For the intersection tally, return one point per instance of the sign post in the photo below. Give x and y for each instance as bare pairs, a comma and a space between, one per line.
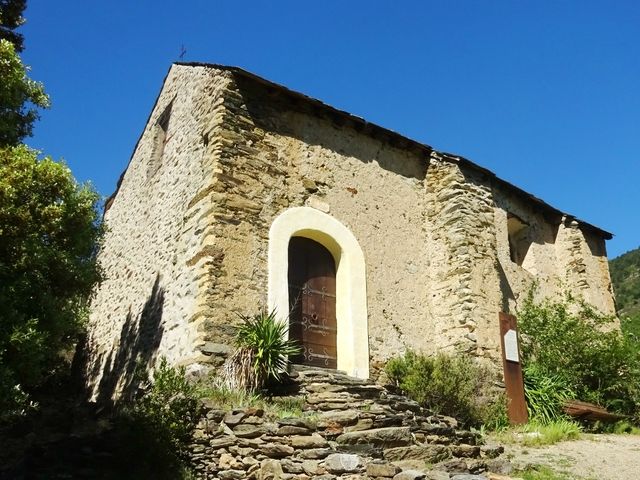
516, 405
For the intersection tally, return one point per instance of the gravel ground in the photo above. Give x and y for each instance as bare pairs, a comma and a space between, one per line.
601, 457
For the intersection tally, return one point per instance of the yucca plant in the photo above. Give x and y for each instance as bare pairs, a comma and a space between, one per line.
261, 354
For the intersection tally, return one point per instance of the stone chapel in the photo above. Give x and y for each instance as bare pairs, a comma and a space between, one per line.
242, 195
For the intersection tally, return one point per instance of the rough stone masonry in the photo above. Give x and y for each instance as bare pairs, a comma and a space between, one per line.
442, 245
350, 429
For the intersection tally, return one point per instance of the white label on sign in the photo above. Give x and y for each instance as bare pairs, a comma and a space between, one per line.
511, 346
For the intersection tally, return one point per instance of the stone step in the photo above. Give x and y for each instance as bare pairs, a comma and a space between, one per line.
386, 437
364, 390
303, 373
349, 424
427, 453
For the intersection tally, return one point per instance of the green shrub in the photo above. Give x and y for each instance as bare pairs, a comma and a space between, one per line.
13, 400
574, 341
138, 451
545, 393
631, 327
493, 413
151, 434
171, 407
624, 427
262, 353
451, 385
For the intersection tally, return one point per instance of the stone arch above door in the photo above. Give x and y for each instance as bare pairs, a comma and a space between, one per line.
351, 294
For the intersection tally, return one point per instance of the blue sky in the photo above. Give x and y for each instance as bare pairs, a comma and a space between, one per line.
546, 94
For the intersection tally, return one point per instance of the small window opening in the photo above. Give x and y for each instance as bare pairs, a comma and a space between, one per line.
596, 245
519, 238
160, 138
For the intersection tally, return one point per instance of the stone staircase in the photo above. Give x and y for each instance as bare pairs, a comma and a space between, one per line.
350, 428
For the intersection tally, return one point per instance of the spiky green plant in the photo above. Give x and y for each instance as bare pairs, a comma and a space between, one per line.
545, 393
262, 353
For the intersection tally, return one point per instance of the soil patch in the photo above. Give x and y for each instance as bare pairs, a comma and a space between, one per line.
602, 457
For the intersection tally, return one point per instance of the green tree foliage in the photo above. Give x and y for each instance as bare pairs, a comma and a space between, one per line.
48, 234
580, 346
10, 19
625, 276
20, 97
49, 231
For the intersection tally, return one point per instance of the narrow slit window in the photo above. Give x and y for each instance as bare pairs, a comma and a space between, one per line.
160, 137
519, 238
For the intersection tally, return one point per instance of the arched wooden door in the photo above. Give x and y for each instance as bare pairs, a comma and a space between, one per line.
312, 302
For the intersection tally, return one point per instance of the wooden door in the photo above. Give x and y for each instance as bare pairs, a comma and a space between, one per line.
312, 302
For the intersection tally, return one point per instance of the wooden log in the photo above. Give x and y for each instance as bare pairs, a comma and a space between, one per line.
589, 411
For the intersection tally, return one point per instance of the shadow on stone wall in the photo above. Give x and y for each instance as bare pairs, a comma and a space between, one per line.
505, 288
125, 367
596, 245
274, 115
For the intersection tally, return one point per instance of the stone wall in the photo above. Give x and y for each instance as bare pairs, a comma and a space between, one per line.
349, 429
582, 266
188, 234
462, 247
152, 255
283, 156
563, 256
